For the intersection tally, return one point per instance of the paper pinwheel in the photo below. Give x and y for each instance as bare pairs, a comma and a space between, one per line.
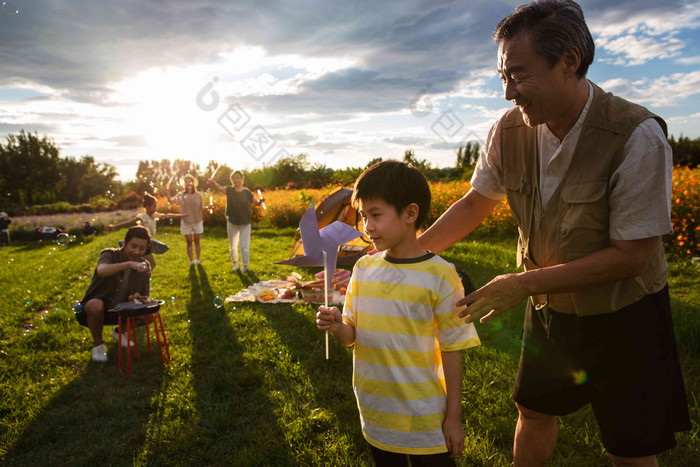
317, 241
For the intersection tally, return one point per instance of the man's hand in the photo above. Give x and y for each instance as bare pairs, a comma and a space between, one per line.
141, 267
499, 295
140, 299
454, 436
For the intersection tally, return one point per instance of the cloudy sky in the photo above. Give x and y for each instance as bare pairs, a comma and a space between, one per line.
245, 83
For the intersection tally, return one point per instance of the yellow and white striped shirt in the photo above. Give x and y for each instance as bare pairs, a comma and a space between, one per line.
404, 314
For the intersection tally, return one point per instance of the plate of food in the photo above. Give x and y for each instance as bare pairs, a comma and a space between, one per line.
268, 295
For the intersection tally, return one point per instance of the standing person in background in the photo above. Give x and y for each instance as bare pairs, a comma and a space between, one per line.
5, 228
573, 162
239, 217
191, 206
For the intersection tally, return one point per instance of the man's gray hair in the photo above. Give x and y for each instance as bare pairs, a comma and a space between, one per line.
555, 26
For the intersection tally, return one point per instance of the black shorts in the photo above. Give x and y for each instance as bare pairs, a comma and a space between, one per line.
624, 364
109, 318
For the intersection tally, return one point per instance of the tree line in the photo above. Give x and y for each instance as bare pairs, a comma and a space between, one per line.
32, 172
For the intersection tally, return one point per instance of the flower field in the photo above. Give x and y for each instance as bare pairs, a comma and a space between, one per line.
285, 208
685, 212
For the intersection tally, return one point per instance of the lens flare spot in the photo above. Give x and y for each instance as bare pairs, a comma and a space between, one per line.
580, 377
497, 324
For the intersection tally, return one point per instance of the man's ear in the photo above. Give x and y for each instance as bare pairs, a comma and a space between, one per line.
571, 60
411, 212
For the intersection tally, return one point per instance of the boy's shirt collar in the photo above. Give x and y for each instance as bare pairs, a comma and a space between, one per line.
392, 259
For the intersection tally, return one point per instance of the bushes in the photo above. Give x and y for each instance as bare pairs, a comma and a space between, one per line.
285, 208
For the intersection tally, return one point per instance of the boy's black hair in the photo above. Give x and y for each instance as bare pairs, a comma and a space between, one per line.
138, 231
396, 183
236, 172
148, 199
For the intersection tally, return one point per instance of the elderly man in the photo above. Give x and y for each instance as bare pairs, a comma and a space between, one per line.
574, 163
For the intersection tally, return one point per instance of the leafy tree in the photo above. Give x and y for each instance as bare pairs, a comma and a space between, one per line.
421, 164
467, 156
376, 160
686, 151
30, 170
85, 179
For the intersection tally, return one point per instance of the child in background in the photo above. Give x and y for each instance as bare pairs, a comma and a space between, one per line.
5, 228
400, 314
148, 219
191, 205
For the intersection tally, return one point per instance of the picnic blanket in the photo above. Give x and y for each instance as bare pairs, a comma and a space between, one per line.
287, 291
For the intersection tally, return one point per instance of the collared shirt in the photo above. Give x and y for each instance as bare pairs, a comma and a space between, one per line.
645, 173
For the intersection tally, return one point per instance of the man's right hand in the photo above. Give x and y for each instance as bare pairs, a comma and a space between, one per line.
140, 266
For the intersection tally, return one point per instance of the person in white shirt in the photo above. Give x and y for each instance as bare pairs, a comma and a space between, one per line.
574, 163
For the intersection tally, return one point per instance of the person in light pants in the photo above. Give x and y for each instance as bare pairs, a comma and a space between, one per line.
239, 200
235, 233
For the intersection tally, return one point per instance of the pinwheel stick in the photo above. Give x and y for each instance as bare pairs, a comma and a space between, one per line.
263, 203
325, 290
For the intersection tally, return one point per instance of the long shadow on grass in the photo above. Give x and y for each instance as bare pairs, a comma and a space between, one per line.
330, 380
100, 418
235, 417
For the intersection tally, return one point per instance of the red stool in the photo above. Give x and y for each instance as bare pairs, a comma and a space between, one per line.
149, 314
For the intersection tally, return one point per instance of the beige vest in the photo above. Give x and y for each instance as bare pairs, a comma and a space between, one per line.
575, 222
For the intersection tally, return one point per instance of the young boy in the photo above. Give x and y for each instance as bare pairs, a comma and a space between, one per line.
122, 274
401, 317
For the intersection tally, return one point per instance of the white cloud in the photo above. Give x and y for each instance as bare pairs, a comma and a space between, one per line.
682, 119
652, 21
663, 91
476, 83
633, 38
688, 60
636, 50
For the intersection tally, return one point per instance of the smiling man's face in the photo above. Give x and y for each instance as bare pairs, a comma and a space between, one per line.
529, 81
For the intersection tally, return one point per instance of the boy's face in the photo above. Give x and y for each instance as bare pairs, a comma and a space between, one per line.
386, 227
135, 249
237, 180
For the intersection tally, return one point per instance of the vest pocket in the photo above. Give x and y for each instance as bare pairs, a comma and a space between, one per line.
584, 218
519, 194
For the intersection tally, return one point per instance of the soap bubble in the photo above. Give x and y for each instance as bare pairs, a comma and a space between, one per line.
218, 301
28, 328
63, 239
77, 307
72, 238
173, 299
10, 8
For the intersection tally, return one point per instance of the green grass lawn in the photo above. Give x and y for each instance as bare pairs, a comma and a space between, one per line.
247, 385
